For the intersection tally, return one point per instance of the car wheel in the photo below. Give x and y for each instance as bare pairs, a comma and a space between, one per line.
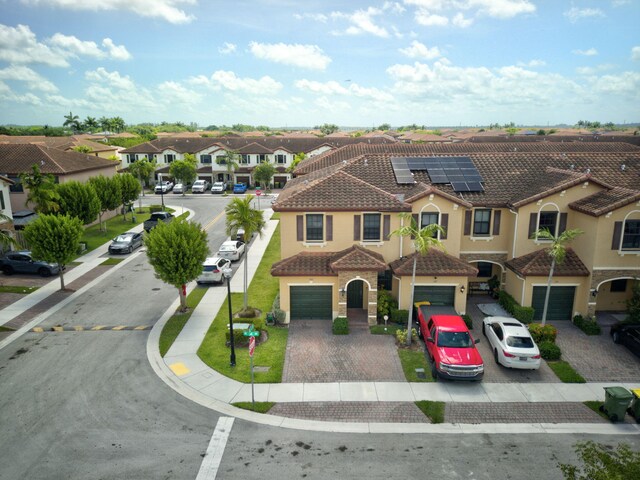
434, 371
7, 269
484, 331
616, 337
130, 248
496, 357
419, 330
44, 272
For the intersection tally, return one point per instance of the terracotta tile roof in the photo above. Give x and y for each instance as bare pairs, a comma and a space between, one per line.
605, 201
538, 264
254, 148
354, 258
61, 143
435, 262
18, 158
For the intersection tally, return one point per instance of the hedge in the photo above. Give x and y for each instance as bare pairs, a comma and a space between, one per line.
540, 333
587, 325
341, 326
549, 351
524, 314
468, 322
400, 316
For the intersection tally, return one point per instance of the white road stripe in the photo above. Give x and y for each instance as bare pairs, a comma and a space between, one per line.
213, 457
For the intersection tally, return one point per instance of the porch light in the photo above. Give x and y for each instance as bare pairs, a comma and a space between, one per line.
594, 292
462, 289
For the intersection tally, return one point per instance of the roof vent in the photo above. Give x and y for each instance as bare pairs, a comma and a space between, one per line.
623, 167
366, 162
588, 171
344, 162
306, 182
572, 166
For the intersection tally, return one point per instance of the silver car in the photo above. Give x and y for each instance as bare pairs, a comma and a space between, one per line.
231, 250
212, 270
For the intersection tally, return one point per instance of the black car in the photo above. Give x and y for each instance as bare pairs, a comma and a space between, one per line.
628, 334
23, 262
126, 242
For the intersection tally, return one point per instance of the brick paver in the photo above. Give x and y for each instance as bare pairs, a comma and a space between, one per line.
383, 412
520, 413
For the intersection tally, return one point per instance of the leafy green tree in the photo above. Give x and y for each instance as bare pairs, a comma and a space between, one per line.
239, 214
176, 251
104, 123
72, 121
90, 124
118, 124
601, 462
108, 191
231, 160
79, 200
41, 190
5, 237
633, 304
129, 190
263, 174
55, 239
142, 170
183, 170
384, 127
328, 128
296, 160
423, 240
82, 149
557, 250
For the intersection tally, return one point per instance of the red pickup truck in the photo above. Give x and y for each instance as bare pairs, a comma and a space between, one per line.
451, 347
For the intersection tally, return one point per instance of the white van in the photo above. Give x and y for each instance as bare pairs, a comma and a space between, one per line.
212, 270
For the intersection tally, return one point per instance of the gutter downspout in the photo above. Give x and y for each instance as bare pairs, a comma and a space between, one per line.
515, 234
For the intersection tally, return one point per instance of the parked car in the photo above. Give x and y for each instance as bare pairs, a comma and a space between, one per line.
627, 334
511, 343
452, 350
179, 188
231, 250
239, 188
23, 262
212, 270
200, 186
218, 187
164, 187
156, 217
126, 242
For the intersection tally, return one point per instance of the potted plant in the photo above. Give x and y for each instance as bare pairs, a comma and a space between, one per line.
494, 286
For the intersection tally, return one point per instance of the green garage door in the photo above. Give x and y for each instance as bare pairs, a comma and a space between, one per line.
560, 302
310, 303
435, 295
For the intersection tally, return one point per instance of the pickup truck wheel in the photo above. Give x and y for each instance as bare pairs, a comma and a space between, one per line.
419, 330
434, 371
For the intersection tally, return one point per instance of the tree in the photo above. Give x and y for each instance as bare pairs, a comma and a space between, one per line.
423, 240
142, 169
328, 128
176, 251
231, 160
239, 214
41, 190
263, 174
82, 149
601, 462
129, 190
104, 123
55, 239
183, 170
633, 304
384, 127
72, 121
109, 195
118, 124
90, 124
79, 200
296, 160
557, 250
5, 237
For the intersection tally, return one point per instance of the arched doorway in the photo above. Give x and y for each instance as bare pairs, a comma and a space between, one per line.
357, 302
611, 295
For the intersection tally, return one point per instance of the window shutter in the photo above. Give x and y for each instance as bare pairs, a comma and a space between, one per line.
329, 228
416, 222
356, 227
467, 222
617, 234
496, 222
533, 222
563, 223
300, 228
386, 227
444, 223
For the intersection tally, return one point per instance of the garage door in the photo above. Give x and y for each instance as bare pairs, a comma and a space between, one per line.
560, 302
435, 295
310, 303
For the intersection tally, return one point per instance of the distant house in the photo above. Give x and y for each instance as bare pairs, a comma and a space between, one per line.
66, 144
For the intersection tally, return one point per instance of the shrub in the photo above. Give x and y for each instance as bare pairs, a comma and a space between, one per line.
259, 324
399, 316
587, 325
401, 336
467, 321
248, 312
386, 303
524, 314
341, 326
155, 208
547, 333
549, 350
239, 340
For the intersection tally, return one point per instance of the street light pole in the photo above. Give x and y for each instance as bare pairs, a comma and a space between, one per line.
161, 191
232, 359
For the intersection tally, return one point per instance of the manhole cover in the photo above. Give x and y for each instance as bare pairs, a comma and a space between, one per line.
420, 373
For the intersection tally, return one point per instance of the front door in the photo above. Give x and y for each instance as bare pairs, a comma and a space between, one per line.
354, 294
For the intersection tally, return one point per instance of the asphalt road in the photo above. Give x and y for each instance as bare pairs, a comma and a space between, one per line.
87, 405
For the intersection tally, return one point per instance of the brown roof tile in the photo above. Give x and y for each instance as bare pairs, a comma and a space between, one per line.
354, 258
435, 262
18, 158
538, 264
605, 201
358, 258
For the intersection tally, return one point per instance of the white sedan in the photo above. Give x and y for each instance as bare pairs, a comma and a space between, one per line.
511, 343
231, 250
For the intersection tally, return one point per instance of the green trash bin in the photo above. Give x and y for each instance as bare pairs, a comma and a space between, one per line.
634, 408
616, 402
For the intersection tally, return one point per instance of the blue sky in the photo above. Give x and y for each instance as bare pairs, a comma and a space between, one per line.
287, 63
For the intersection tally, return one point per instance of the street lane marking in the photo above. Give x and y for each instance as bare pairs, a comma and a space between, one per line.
58, 329
213, 222
121, 327
179, 369
78, 328
98, 327
38, 329
213, 456
82, 328
142, 327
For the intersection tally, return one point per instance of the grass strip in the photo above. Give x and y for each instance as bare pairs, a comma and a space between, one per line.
390, 329
5, 329
260, 407
433, 410
271, 353
595, 406
112, 261
176, 323
16, 289
565, 372
412, 359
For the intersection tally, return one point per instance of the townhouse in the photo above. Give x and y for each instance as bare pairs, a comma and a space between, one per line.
338, 214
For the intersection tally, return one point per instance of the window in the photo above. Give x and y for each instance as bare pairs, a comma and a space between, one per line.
17, 186
484, 269
548, 220
371, 227
314, 227
2, 207
429, 218
131, 157
205, 158
281, 158
385, 281
169, 157
262, 157
619, 285
221, 159
245, 158
631, 234
481, 221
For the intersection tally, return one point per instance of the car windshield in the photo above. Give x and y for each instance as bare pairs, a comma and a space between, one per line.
122, 238
455, 339
227, 248
520, 342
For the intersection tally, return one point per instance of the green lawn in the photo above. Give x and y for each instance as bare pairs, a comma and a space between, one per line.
595, 406
5, 329
390, 329
433, 410
412, 359
14, 289
95, 238
260, 407
176, 323
565, 372
112, 261
262, 292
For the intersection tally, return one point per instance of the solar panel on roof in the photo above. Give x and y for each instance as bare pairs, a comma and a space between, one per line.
459, 186
459, 171
475, 186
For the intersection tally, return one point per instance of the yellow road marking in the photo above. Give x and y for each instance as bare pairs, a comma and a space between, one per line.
141, 327
179, 369
213, 222
121, 327
58, 329
78, 328
38, 329
98, 327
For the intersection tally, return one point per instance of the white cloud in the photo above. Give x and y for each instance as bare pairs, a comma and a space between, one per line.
26, 99
112, 79
459, 20
594, 70
362, 22
318, 17
117, 52
635, 54
626, 83
423, 17
168, 10
304, 56
591, 52
70, 46
430, 12
334, 88
33, 80
227, 48
393, 7
575, 14
532, 63
230, 82
172, 93
19, 46
419, 50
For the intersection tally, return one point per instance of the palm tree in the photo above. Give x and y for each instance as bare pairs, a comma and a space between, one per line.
118, 124
230, 160
423, 240
240, 215
72, 121
557, 250
104, 123
42, 190
5, 237
90, 123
